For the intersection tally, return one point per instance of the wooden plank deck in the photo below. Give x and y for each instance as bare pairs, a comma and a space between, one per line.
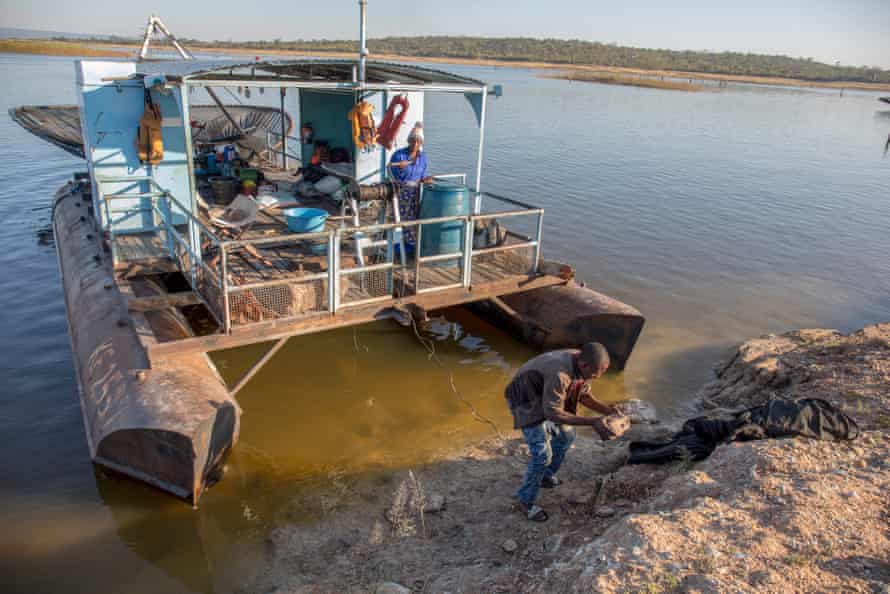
293, 306
349, 316
139, 247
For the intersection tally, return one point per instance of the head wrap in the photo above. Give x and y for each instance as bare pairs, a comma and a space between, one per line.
416, 132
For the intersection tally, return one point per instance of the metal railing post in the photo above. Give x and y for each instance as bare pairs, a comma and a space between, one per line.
536, 261
418, 238
110, 225
224, 285
468, 252
166, 214
332, 273
335, 265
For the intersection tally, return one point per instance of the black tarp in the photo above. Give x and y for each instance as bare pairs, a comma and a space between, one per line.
778, 418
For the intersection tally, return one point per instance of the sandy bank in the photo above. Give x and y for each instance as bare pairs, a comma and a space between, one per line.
768, 516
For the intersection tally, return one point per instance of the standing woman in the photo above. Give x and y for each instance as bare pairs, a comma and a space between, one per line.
408, 168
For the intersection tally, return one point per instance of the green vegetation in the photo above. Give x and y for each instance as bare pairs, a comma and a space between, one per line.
553, 51
629, 81
576, 52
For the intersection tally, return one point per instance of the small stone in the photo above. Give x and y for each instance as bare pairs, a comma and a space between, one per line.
391, 588
850, 495
758, 578
553, 543
579, 497
698, 583
434, 504
605, 511
510, 546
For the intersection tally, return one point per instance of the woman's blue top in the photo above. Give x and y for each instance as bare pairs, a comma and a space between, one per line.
414, 172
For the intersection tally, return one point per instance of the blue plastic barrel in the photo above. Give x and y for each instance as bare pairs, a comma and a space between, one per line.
443, 199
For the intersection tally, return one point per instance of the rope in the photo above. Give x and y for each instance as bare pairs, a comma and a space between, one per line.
430, 346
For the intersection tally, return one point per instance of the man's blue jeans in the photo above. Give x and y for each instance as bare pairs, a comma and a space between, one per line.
547, 444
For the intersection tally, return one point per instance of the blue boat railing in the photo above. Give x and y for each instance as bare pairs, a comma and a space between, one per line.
334, 281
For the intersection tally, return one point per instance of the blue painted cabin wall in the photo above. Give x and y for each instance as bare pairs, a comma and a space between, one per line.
327, 112
110, 113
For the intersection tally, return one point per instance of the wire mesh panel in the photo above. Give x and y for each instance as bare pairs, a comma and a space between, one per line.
207, 278
284, 277
276, 302
439, 275
368, 267
501, 246
500, 265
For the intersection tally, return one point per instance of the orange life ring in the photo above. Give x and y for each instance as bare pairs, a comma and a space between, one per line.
390, 124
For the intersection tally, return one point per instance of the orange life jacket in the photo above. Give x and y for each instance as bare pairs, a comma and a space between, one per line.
364, 132
149, 143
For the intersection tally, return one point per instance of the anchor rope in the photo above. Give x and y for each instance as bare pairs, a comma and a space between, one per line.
430, 346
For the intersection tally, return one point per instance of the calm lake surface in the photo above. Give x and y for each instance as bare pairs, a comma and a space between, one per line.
720, 215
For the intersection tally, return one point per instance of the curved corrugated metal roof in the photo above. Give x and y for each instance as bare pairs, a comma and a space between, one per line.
305, 70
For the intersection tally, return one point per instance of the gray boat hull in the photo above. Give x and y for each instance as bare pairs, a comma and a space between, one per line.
566, 316
170, 422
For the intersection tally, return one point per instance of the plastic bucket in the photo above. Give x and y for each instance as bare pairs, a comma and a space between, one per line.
224, 189
308, 220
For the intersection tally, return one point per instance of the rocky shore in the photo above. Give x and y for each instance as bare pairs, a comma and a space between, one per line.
791, 515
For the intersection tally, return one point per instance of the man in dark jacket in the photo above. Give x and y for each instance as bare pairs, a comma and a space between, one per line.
543, 396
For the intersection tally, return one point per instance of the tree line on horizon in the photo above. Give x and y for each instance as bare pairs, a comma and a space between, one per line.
577, 52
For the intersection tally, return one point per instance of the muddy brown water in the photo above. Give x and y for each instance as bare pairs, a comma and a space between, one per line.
720, 215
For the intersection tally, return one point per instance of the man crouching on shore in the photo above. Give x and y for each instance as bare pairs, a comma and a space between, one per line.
543, 396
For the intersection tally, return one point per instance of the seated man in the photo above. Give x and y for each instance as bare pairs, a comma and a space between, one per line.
543, 397
408, 168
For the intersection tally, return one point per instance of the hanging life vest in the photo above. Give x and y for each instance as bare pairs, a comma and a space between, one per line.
391, 123
364, 132
149, 142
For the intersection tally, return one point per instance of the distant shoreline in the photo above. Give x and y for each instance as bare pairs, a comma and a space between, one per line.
93, 49
610, 78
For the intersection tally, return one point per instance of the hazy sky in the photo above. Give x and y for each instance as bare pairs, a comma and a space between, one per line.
851, 31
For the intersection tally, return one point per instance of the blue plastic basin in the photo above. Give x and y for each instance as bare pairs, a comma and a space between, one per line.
305, 220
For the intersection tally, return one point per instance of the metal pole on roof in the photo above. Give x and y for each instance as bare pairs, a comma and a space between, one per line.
362, 47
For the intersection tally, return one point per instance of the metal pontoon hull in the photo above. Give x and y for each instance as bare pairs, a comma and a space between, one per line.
565, 317
168, 423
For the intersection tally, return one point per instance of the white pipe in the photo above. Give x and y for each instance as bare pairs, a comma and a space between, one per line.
362, 47
149, 29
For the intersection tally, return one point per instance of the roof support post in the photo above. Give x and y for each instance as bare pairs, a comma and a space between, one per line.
192, 203
477, 207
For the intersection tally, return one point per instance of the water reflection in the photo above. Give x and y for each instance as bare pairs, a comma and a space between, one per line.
329, 410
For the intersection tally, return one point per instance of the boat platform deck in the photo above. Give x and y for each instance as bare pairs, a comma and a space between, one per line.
278, 284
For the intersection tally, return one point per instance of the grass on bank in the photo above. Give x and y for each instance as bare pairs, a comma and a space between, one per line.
57, 48
609, 78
